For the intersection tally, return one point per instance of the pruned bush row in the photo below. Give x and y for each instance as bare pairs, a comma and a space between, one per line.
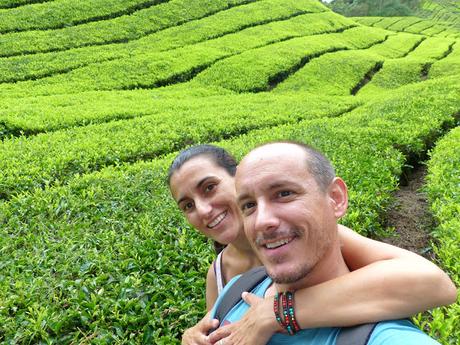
121, 29
449, 65
18, 3
65, 13
346, 72
443, 11
386, 22
221, 23
443, 187
34, 115
262, 69
394, 74
157, 69
368, 21
37, 161
332, 73
396, 45
91, 260
404, 23
432, 49
414, 67
412, 24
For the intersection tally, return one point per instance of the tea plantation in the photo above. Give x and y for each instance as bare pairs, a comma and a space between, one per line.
96, 97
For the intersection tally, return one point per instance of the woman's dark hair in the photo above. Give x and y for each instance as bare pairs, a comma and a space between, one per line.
217, 155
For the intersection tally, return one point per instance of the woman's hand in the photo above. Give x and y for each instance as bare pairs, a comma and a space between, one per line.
255, 328
198, 334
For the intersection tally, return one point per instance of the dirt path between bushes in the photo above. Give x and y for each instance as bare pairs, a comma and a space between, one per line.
410, 215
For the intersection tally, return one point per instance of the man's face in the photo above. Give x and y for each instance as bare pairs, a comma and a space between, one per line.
288, 219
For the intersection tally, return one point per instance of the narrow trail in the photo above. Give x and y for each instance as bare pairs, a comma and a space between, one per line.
410, 215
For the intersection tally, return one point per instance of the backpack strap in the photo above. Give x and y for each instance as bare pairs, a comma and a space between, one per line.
246, 282
355, 335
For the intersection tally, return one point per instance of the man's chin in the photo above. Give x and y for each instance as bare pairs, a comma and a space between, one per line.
280, 276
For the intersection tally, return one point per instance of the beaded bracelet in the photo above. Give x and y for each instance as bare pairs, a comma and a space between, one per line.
283, 306
276, 309
290, 304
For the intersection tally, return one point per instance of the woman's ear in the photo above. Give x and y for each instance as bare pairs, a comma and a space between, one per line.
338, 195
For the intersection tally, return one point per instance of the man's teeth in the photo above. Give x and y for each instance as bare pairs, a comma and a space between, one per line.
277, 244
218, 219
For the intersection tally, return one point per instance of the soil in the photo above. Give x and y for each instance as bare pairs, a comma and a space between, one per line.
410, 215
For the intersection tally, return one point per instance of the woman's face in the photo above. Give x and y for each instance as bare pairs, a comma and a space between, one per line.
206, 195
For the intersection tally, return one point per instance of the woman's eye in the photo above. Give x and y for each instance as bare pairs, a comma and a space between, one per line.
187, 206
247, 206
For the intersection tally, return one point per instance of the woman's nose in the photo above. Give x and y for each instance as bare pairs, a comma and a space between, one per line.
203, 208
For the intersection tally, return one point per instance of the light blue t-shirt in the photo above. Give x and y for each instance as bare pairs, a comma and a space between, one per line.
396, 332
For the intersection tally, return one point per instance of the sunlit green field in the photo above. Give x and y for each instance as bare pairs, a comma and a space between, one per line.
96, 97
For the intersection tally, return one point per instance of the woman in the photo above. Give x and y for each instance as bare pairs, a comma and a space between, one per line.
386, 282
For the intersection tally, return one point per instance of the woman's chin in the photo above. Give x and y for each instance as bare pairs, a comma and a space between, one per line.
226, 238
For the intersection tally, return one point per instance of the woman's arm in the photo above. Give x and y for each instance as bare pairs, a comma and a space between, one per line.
386, 283
211, 288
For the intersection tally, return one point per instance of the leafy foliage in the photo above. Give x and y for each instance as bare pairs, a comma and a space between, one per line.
444, 192
93, 250
385, 8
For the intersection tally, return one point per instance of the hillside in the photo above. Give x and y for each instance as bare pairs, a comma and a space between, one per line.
96, 97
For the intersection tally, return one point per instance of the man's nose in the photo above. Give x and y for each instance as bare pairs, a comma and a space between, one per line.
266, 218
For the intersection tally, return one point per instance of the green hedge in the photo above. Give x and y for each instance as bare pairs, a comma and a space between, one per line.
396, 45
412, 24
28, 163
221, 23
387, 22
157, 69
332, 73
443, 187
49, 113
18, 3
65, 13
414, 67
121, 29
107, 244
260, 69
449, 65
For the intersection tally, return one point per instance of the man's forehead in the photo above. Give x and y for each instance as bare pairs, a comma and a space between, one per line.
270, 160
272, 153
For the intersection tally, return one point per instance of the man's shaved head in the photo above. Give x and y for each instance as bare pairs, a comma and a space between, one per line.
315, 162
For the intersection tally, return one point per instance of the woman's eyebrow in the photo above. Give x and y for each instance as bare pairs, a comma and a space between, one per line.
197, 186
203, 180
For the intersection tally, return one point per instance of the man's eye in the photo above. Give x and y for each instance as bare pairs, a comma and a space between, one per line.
210, 187
284, 193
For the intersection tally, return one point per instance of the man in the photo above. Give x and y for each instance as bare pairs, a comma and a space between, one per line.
291, 202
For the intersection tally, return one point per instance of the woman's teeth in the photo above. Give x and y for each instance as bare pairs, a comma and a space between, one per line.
217, 220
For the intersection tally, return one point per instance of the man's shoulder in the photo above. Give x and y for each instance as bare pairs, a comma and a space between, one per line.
240, 307
398, 332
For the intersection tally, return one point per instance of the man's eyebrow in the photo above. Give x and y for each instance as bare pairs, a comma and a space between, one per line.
198, 185
242, 197
279, 184
271, 186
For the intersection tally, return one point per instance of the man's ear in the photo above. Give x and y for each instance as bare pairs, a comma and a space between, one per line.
338, 195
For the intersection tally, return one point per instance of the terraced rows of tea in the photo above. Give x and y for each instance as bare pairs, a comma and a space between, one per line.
96, 97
